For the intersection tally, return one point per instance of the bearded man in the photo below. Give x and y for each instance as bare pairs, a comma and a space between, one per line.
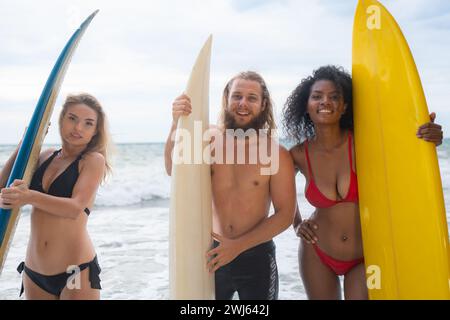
244, 185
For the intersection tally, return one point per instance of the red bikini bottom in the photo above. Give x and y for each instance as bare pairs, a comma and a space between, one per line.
339, 267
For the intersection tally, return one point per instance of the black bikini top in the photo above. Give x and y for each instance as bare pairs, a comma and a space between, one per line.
63, 184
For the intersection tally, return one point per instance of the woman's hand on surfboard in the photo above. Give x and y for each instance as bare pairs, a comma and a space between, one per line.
3, 204
224, 253
431, 131
181, 107
16, 195
306, 231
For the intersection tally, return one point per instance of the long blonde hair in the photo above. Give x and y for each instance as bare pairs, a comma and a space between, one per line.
101, 142
267, 105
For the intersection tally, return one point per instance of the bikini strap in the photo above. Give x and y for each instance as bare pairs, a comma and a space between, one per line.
20, 269
94, 272
54, 154
80, 156
47, 161
307, 160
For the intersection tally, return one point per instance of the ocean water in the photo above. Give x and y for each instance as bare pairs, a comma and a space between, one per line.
129, 228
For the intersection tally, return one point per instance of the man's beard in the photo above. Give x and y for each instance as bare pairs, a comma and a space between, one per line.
256, 123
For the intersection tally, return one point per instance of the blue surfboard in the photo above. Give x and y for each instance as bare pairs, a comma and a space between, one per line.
29, 150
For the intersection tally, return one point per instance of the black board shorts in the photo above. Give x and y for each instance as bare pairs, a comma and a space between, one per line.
253, 275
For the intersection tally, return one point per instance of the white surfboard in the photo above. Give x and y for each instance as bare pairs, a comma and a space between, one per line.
190, 199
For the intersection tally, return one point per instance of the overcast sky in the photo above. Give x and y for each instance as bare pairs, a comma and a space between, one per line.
136, 56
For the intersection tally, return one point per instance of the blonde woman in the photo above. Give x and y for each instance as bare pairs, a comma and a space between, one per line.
61, 262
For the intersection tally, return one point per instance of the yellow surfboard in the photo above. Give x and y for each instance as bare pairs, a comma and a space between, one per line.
405, 236
190, 224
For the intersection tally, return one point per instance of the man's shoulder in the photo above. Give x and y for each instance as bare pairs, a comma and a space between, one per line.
275, 145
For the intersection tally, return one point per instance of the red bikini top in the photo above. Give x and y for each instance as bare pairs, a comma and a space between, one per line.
316, 198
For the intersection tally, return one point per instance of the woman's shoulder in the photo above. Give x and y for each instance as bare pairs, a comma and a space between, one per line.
94, 158
298, 150
298, 155
92, 162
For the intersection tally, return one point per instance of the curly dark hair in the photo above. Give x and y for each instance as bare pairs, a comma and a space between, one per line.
296, 121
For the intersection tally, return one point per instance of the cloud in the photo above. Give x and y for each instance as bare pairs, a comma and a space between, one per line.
137, 55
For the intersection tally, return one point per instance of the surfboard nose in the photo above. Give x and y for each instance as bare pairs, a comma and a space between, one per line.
88, 20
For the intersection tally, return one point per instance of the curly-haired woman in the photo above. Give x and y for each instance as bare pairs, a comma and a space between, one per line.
319, 116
